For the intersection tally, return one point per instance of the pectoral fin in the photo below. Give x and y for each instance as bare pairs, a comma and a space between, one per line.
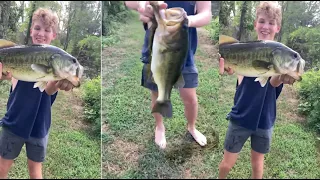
41, 68
180, 83
262, 66
41, 85
262, 80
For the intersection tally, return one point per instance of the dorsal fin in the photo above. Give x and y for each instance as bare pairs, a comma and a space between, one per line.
6, 43
223, 39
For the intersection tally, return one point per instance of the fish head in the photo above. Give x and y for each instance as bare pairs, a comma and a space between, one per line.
171, 19
288, 61
67, 67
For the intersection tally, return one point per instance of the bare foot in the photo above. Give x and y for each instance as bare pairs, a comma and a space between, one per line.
198, 136
160, 137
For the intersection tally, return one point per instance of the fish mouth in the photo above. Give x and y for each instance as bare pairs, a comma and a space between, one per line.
170, 19
300, 67
297, 75
79, 71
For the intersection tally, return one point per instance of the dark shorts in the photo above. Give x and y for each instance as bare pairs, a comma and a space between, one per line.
236, 137
190, 76
11, 145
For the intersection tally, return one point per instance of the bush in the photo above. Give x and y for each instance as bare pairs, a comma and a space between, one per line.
91, 95
214, 29
309, 92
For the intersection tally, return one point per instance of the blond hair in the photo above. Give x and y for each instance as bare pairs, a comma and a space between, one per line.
271, 9
47, 17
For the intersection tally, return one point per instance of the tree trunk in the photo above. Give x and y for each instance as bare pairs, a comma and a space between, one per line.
71, 15
4, 17
242, 19
33, 4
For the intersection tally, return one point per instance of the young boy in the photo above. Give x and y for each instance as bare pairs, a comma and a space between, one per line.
28, 116
199, 14
257, 122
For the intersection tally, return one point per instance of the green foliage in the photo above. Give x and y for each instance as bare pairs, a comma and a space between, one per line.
91, 95
90, 47
214, 30
114, 13
4, 86
306, 41
309, 92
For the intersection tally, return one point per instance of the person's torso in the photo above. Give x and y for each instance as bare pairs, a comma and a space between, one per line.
28, 110
255, 106
190, 8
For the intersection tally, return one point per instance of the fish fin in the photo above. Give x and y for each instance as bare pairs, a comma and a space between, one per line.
223, 39
263, 80
6, 43
164, 108
262, 66
41, 68
180, 83
41, 85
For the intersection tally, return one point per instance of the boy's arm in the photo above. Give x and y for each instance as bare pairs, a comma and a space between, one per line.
134, 5
203, 16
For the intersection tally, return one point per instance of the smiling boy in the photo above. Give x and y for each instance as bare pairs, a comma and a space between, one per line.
28, 117
245, 121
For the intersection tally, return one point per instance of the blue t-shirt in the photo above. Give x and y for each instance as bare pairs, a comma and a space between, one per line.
254, 106
28, 111
189, 66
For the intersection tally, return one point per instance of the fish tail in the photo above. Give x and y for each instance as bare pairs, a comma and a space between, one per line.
164, 108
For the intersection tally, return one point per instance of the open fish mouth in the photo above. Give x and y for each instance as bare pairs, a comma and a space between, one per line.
79, 71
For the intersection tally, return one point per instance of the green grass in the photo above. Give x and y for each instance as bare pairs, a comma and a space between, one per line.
73, 152
128, 148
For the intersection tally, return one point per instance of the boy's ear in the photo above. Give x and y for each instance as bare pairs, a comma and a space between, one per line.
54, 35
278, 28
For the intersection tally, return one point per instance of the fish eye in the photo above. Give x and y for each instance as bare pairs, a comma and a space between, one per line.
74, 60
295, 55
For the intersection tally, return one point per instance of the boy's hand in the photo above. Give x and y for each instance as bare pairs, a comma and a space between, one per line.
286, 79
53, 86
8, 75
146, 10
222, 69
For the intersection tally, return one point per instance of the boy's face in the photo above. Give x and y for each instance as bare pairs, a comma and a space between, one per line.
266, 27
41, 34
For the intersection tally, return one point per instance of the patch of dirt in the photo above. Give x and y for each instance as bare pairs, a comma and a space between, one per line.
125, 153
210, 50
111, 60
195, 161
289, 99
77, 121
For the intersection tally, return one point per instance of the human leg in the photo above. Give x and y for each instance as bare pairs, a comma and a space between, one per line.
36, 152
260, 145
236, 136
10, 147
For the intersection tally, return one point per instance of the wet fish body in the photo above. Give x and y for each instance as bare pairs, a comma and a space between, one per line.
169, 52
261, 59
39, 64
